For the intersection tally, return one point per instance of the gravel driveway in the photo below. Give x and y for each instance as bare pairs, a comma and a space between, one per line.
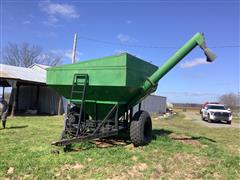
191, 115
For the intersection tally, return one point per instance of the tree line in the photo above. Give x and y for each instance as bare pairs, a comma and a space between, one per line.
25, 54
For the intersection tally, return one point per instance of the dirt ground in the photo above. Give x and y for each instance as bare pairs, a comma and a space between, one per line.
194, 115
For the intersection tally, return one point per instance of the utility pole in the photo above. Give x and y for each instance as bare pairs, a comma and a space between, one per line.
74, 49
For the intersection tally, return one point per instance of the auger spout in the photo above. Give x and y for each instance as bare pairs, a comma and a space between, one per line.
196, 40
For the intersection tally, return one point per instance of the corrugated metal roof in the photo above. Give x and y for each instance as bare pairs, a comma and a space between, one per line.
42, 66
39, 67
25, 74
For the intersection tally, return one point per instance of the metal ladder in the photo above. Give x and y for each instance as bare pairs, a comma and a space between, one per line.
78, 81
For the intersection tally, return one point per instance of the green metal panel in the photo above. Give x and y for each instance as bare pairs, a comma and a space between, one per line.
120, 70
109, 71
138, 71
112, 80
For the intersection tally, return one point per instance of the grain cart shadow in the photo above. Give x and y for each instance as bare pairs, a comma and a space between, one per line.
15, 127
177, 137
123, 139
160, 132
203, 138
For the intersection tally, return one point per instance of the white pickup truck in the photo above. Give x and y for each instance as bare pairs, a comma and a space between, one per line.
216, 112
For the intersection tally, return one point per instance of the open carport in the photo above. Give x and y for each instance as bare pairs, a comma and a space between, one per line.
26, 90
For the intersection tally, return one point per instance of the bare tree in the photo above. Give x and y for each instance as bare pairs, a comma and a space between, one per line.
50, 59
231, 100
25, 55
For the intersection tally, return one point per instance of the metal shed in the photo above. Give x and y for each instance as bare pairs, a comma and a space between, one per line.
29, 90
153, 104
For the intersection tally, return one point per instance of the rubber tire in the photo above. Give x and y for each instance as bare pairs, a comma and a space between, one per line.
141, 128
203, 118
229, 122
209, 120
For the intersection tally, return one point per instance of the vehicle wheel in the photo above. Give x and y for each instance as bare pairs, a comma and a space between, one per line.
229, 122
203, 118
209, 120
141, 128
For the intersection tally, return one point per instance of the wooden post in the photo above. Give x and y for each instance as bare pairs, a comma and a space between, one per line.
3, 93
37, 99
14, 95
17, 97
59, 105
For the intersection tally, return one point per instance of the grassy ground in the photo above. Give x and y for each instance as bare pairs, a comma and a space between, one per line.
181, 149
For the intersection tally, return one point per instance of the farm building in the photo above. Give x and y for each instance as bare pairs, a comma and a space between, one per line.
153, 104
28, 90
29, 93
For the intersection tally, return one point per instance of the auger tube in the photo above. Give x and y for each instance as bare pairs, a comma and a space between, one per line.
151, 82
197, 39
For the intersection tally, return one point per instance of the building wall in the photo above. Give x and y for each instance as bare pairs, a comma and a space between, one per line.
153, 104
48, 102
27, 97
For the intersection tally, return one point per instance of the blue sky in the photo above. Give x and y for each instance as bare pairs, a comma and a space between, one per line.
52, 24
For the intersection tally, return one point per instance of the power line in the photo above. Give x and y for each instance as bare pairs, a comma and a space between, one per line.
126, 45
146, 46
229, 46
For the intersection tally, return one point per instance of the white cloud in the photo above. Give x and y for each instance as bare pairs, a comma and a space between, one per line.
129, 21
65, 10
119, 51
51, 21
67, 54
123, 38
194, 62
26, 22
31, 16
57, 10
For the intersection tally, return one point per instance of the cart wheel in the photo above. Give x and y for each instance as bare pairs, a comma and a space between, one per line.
141, 128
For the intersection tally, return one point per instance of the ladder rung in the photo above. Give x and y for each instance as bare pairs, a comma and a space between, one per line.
80, 92
78, 83
76, 114
80, 75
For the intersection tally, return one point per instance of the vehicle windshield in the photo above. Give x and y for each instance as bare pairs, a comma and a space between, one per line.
216, 107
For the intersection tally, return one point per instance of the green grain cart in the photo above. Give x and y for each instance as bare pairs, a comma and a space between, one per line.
102, 93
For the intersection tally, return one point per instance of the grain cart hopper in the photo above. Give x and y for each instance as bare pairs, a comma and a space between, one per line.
103, 92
